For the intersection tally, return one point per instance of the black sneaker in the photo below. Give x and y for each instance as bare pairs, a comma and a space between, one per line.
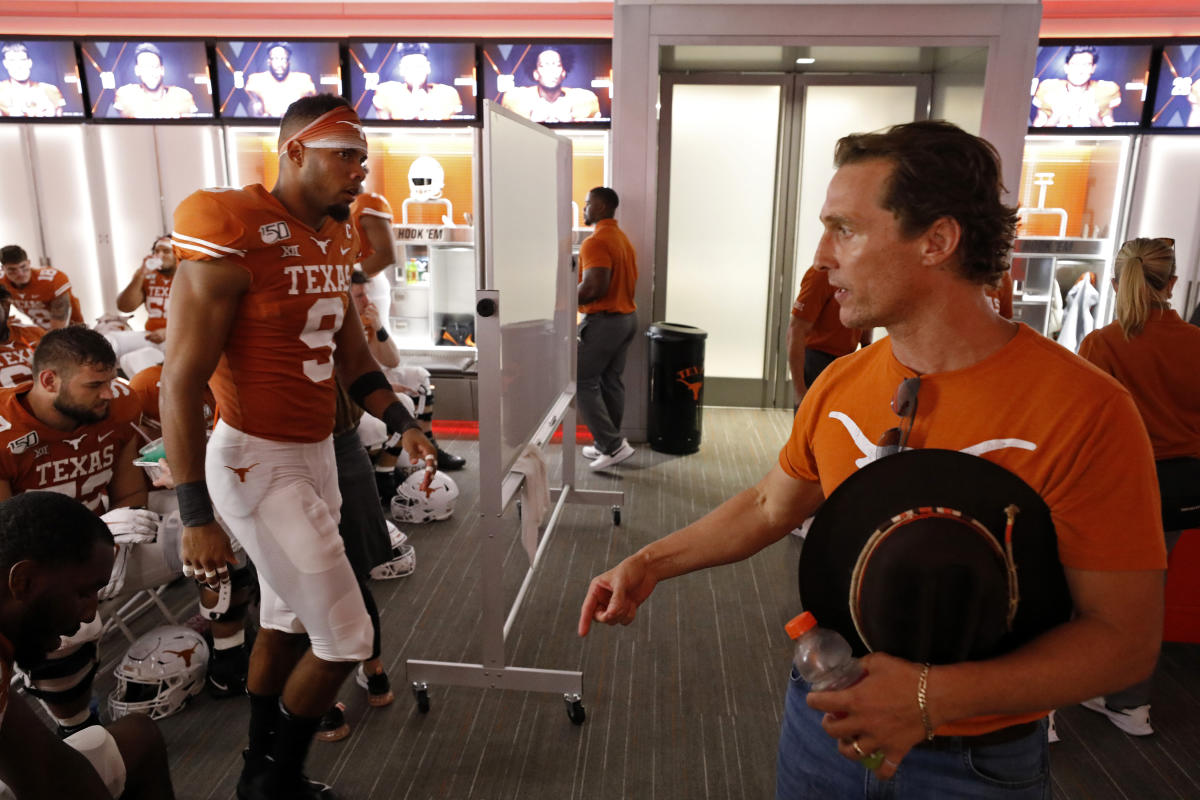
251, 784
227, 672
379, 688
333, 726
448, 462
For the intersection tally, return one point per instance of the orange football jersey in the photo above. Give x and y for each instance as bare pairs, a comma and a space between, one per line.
78, 463
157, 289
167, 102
17, 353
147, 385
276, 95
394, 100
34, 299
275, 377
30, 99
374, 205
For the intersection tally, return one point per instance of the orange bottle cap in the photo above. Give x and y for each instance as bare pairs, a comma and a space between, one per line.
798, 626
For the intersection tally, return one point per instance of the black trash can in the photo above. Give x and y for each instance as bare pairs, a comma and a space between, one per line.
676, 387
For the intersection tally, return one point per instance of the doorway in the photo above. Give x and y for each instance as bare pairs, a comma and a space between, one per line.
744, 160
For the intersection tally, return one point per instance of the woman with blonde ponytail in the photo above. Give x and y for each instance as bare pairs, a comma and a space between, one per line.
1156, 356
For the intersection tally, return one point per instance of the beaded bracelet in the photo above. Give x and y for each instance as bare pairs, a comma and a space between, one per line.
922, 703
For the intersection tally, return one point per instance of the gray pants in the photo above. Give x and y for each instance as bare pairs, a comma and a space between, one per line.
604, 340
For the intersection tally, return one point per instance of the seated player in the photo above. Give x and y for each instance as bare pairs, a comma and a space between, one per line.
412, 382
414, 96
548, 100
150, 98
277, 87
149, 286
43, 295
16, 345
56, 555
20, 95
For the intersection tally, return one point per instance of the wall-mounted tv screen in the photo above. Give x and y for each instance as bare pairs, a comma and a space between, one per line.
1084, 85
140, 79
413, 80
257, 80
1177, 96
41, 78
548, 82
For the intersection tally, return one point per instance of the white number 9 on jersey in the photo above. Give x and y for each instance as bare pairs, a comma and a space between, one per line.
320, 338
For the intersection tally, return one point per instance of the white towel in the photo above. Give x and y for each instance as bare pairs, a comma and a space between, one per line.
535, 495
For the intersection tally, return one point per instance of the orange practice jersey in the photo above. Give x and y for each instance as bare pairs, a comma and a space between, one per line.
274, 95
157, 288
30, 99
168, 102
17, 353
34, 299
373, 205
275, 378
394, 100
1076, 106
78, 463
1068, 430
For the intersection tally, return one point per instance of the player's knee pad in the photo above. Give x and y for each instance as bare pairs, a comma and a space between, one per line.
59, 679
352, 634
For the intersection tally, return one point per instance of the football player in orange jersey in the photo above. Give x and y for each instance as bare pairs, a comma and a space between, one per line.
548, 100
151, 285
70, 431
260, 305
414, 96
43, 295
16, 346
20, 95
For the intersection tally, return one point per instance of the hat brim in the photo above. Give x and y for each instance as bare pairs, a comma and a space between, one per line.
869, 499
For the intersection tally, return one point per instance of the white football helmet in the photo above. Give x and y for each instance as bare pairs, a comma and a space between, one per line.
404, 557
159, 673
112, 322
426, 179
413, 504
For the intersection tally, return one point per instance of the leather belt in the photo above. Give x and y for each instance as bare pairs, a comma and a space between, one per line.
1002, 736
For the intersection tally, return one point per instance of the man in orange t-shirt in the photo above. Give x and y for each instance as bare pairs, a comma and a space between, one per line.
815, 335
260, 303
607, 279
43, 295
914, 227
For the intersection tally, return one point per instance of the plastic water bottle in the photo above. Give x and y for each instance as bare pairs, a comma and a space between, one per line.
825, 660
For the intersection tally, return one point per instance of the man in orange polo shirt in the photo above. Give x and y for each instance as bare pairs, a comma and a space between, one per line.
608, 276
815, 335
914, 228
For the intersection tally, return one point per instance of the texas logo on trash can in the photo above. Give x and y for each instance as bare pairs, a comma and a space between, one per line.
693, 385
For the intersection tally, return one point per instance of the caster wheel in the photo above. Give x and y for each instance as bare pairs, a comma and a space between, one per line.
616, 515
575, 711
421, 693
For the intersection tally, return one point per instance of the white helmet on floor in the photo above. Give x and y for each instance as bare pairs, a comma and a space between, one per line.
159, 673
404, 557
426, 179
414, 504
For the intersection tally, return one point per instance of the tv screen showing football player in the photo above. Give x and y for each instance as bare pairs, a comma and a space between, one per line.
140, 79
413, 80
1177, 94
551, 82
41, 79
260, 79
1084, 85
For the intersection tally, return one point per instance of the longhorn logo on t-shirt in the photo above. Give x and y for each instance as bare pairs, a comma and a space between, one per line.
75, 442
870, 451
321, 243
274, 232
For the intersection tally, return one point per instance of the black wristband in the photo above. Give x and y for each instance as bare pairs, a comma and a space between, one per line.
195, 507
398, 420
365, 384
381, 335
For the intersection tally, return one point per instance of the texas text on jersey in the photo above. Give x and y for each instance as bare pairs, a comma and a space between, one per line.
157, 289
76, 463
275, 377
17, 353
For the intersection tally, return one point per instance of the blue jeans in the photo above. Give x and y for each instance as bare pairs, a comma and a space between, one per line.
809, 765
